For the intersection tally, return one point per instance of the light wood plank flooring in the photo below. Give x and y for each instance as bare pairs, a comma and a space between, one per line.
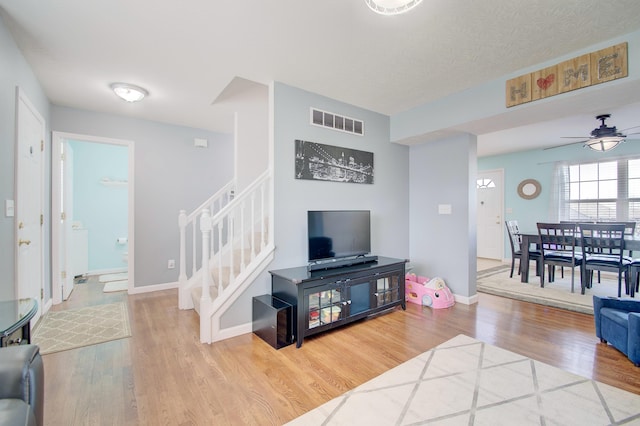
164, 376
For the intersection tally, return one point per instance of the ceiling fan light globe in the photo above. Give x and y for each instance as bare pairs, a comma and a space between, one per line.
604, 144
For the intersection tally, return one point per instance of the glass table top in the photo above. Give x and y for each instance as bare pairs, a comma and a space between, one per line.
16, 313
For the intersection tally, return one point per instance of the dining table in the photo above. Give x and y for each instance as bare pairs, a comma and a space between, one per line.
529, 238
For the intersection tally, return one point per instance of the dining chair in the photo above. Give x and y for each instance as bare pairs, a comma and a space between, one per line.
558, 248
516, 247
629, 231
603, 250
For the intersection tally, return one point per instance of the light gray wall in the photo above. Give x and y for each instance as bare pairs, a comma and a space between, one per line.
444, 173
387, 198
170, 174
14, 72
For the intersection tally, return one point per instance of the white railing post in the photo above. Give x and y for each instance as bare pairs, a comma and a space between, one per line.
182, 224
219, 255
205, 228
242, 237
230, 236
183, 303
252, 244
263, 240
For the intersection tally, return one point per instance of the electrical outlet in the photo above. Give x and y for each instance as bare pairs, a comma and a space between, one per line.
171, 264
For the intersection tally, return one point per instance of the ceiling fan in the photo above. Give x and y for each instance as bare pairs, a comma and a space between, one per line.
603, 138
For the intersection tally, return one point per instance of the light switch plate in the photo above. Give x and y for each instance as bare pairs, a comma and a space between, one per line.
9, 208
444, 209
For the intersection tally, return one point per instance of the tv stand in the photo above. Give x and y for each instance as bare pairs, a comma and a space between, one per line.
339, 263
324, 299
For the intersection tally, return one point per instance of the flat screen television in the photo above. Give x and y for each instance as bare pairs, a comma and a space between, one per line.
336, 234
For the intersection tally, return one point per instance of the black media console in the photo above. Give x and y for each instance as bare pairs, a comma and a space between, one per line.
324, 299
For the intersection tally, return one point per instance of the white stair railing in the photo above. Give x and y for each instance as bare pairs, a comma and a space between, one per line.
235, 242
185, 221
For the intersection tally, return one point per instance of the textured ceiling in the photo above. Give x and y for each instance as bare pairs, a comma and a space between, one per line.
186, 53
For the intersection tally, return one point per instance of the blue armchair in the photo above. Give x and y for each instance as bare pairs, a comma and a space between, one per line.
618, 323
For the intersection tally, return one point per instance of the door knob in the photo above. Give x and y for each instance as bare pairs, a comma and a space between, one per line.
21, 242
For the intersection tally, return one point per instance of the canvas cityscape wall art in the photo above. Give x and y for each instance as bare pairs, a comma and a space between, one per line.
316, 161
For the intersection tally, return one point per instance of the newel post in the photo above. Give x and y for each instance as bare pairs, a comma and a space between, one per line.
205, 228
182, 274
182, 223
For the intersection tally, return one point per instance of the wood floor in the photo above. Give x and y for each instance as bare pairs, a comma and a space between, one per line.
162, 375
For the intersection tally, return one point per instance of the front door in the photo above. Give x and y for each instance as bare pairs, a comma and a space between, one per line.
29, 202
490, 224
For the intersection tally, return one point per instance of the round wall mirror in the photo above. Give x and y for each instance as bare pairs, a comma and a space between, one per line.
529, 189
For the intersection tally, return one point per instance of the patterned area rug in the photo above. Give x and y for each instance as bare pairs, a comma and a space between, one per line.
557, 294
465, 381
74, 328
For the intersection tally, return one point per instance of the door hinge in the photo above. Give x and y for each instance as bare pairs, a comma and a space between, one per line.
42, 145
63, 274
41, 219
63, 216
42, 293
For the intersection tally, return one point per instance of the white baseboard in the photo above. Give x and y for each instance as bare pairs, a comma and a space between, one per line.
466, 300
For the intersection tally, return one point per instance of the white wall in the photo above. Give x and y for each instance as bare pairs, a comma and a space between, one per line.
444, 173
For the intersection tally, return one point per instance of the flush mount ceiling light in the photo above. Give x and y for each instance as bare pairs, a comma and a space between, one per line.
392, 7
129, 92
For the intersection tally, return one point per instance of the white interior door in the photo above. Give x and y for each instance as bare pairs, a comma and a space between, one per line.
490, 223
29, 202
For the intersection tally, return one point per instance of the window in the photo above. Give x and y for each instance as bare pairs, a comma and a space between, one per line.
605, 191
485, 183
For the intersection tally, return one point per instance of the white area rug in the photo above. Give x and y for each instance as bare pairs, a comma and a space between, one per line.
557, 294
468, 382
113, 286
113, 277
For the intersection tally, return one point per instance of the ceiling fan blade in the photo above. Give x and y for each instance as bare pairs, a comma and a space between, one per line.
634, 127
634, 133
566, 144
574, 137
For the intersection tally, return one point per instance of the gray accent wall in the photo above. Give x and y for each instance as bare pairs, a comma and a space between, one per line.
387, 198
443, 175
170, 174
16, 72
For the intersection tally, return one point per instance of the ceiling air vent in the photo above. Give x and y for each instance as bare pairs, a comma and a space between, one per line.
337, 122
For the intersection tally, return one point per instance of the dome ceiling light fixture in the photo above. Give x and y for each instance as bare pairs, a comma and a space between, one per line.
392, 7
129, 92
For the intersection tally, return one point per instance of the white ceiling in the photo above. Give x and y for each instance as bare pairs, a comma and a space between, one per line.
187, 52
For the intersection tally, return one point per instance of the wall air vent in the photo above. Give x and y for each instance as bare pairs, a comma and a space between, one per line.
337, 122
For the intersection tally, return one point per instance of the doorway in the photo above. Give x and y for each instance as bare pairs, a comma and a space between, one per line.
70, 241
490, 223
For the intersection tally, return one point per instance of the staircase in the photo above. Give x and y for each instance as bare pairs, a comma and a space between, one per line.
230, 244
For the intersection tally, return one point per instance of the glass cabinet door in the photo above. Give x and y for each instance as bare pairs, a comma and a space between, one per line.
324, 307
387, 290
